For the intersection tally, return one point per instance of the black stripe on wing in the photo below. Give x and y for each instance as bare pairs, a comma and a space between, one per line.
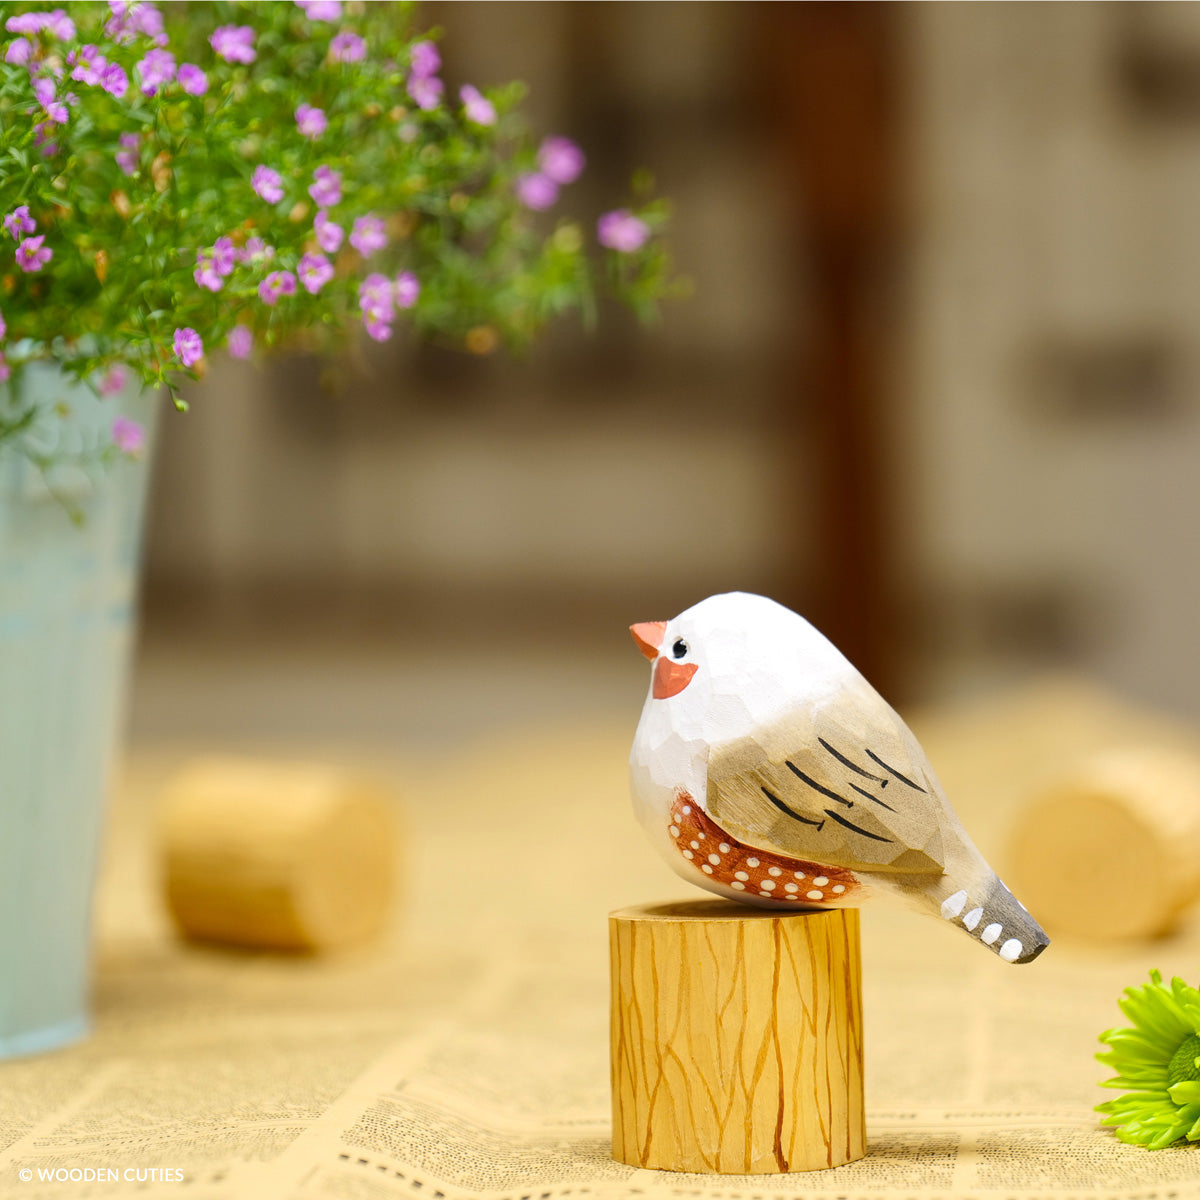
851, 825
892, 771
791, 812
817, 787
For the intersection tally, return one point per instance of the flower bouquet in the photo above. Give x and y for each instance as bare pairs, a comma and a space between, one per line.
201, 179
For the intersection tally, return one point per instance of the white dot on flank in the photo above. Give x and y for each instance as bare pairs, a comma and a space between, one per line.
768, 885
724, 847
741, 875
798, 874
813, 895
791, 887
990, 934
820, 881
767, 894
714, 859
972, 918
1011, 950
774, 871
688, 854
741, 887
953, 905
752, 862
695, 845
700, 836
706, 868
839, 887
674, 830
687, 808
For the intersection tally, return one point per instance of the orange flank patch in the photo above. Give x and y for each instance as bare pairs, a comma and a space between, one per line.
758, 873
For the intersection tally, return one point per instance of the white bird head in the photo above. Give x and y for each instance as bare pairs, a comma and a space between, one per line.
733, 661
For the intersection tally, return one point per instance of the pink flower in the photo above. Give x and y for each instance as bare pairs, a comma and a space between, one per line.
406, 289
5, 369
18, 222
114, 80
315, 272
426, 91
277, 284
368, 235
477, 106
561, 160
32, 255
127, 156
114, 381
192, 79
375, 298
189, 349
241, 342
18, 52
55, 110
87, 64
536, 191
129, 20
347, 47
621, 230
321, 10
234, 43
224, 256
326, 189
268, 183
424, 59
329, 233
3, 326
205, 273
255, 250
155, 70
127, 435
311, 121
56, 23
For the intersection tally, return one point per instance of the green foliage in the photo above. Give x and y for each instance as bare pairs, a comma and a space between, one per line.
122, 279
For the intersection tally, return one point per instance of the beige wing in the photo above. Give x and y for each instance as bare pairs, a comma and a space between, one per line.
846, 784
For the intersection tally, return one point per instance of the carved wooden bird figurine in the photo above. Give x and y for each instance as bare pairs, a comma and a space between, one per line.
766, 769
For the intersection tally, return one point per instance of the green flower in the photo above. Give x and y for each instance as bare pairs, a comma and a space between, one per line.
1159, 1061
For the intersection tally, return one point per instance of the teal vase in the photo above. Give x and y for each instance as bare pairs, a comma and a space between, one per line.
70, 543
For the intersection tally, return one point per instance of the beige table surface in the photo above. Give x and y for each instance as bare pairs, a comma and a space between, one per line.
465, 1053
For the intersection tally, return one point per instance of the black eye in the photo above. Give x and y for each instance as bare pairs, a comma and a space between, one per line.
680, 648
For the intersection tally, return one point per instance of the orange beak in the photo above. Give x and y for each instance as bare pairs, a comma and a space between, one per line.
649, 635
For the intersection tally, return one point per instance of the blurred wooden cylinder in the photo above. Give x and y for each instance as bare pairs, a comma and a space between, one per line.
736, 1038
287, 856
1112, 850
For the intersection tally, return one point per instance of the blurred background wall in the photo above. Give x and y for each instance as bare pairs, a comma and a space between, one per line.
936, 385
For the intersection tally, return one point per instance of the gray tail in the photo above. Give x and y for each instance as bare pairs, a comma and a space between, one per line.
992, 914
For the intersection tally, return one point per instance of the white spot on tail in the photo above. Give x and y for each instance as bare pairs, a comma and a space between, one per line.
990, 934
1011, 950
953, 905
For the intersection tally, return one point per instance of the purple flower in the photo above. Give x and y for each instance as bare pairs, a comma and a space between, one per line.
128, 20
192, 79
368, 235
347, 47
156, 69
127, 435
536, 191
55, 110
477, 106
25, 23
234, 43
87, 65
424, 59
375, 298
315, 272
224, 256
561, 160
327, 187
621, 230
5, 369
278, 283
329, 233
255, 250
321, 10
425, 90
189, 349
3, 326
241, 342
55, 23
18, 52
114, 80
18, 222
206, 274
59, 25
32, 255
406, 289
268, 184
127, 156
378, 329
311, 121
114, 381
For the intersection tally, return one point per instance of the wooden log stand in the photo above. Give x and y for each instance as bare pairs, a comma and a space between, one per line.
736, 1038
281, 856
